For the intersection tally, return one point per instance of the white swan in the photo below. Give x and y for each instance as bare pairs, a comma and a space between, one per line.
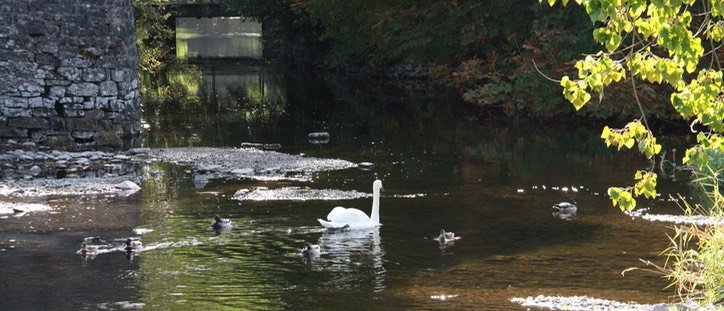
354, 218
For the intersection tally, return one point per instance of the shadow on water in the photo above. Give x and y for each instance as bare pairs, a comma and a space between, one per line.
490, 181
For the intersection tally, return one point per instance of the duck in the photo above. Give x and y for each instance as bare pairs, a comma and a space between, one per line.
362, 253
566, 207
446, 237
311, 250
354, 218
221, 223
86, 249
344, 228
133, 245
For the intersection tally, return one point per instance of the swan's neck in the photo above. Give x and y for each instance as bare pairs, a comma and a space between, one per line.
375, 206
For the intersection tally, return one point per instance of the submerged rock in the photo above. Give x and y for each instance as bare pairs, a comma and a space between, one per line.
200, 181
35, 170
366, 166
318, 137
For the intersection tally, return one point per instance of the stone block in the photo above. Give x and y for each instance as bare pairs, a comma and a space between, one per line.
37, 102
119, 75
57, 91
83, 89
108, 88
14, 112
29, 123
70, 73
30, 89
43, 112
94, 75
42, 74
14, 102
104, 102
74, 113
78, 62
89, 104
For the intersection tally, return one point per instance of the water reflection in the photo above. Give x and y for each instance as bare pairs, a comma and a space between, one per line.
355, 255
218, 37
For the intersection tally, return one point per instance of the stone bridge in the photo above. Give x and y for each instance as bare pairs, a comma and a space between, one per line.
69, 73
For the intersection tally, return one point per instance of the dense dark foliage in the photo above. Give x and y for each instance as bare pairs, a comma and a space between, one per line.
483, 49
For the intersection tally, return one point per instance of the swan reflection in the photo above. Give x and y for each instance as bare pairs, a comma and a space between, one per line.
358, 254
564, 215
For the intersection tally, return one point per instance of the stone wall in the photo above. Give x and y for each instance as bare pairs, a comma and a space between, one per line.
68, 73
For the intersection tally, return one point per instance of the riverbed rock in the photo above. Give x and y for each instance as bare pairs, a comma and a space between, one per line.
138, 150
128, 186
206, 167
35, 170
243, 171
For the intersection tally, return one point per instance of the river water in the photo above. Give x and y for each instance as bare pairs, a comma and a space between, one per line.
443, 165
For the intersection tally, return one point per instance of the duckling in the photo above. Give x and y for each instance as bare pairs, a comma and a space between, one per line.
361, 253
311, 250
344, 228
221, 223
133, 245
86, 249
566, 207
447, 237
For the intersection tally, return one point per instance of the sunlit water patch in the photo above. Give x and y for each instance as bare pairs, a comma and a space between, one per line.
306, 194
14, 208
677, 219
124, 305
597, 304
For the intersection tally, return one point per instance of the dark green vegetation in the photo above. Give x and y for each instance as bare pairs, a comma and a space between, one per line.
482, 50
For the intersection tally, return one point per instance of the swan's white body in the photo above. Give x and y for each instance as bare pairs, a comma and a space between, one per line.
354, 218
566, 207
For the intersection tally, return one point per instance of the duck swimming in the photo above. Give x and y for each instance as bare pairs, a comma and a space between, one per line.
566, 207
446, 237
311, 250
133, 245
88, 249
221, 223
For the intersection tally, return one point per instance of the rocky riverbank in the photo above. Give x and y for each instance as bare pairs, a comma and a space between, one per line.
26, 172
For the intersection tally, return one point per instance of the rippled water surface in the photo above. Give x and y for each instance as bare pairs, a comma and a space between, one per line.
492, 182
